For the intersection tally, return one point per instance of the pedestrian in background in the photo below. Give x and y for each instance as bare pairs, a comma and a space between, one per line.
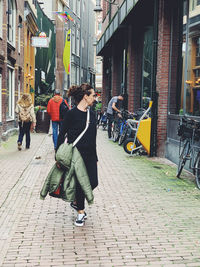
53, 109
112, 110
26, 119
74, 123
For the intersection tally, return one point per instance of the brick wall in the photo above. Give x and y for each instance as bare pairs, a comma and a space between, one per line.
131, 70
163, 74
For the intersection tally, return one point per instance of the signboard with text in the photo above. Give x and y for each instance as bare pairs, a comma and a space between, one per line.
40, 41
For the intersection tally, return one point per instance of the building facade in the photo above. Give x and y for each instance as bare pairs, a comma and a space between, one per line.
30, 29
144, 50
11, 62
98, 59
82, 30
82, 68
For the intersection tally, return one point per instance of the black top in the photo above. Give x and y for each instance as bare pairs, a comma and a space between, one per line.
72, 126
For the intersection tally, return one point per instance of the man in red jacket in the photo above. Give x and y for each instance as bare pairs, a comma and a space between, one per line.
53, 109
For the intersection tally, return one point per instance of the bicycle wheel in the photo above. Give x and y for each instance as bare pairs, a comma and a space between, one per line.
123, 135
183, 158
197, 171
129, 145
115, 132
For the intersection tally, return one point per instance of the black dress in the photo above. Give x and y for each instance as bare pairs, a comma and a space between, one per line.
72, 126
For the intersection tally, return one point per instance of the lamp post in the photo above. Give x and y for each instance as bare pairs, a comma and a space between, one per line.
98, 8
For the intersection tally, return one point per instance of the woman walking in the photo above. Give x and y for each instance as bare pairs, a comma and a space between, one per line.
74, 123
26, 118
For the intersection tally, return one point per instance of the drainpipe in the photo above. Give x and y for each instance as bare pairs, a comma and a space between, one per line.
186, 57
154, 110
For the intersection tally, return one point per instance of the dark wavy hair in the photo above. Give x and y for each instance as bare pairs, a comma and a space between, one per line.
78, 92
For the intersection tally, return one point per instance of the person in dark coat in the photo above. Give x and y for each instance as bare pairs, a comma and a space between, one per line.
73, 125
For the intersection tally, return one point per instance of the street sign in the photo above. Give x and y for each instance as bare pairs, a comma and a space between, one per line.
40, 41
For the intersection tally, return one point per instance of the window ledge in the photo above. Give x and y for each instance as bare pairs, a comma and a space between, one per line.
10, 46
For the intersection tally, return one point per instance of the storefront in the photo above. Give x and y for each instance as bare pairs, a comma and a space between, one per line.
184, 92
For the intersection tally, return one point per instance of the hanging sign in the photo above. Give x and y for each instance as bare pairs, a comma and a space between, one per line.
40, 41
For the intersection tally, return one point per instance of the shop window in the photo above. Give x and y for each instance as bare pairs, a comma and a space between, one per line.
10, 94
11, 25
190, 83
147, 67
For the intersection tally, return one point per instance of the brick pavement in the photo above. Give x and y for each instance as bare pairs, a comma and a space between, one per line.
142, 215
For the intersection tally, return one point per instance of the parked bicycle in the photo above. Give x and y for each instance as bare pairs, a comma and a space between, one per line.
125, 129
140, 142
189, 132
119, 125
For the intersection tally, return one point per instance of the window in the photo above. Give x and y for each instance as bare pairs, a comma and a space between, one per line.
10, 94
189, 96
19, 87
78, 8
60, 6
77, 75
74, 6
99, 27
73, 74
98, 66
11, 26
193, 4
147, 67
78, 42
19, 33
73, 41
1, 18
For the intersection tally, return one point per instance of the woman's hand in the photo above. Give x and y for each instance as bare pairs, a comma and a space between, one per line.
58, 165
33, 124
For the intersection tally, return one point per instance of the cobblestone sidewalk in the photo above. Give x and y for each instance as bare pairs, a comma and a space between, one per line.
142, 215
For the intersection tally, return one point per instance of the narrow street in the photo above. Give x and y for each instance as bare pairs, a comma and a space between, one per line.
142, 215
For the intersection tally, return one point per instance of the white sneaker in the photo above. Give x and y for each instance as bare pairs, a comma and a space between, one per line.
80, 220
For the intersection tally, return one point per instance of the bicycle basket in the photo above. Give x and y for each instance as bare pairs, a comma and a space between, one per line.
184, 131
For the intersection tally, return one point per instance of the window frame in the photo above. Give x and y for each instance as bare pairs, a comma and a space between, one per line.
10, 92
73, 42
11, 22
78, 42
